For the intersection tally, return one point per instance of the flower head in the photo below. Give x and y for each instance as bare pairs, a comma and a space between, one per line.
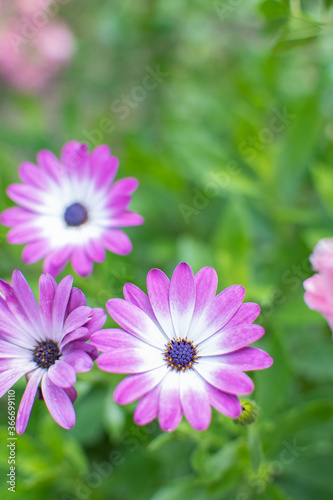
31, 54
47, 344
184, 347
319, 287
71, 209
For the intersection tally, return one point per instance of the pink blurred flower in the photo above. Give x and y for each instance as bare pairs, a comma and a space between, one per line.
319, 288
33, 49
71, 209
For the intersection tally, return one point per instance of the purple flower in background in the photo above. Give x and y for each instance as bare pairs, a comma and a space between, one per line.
184, 347
71, 209
47, 344
319, 287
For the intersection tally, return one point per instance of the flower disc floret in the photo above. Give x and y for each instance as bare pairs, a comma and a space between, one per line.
180, 354
46, 353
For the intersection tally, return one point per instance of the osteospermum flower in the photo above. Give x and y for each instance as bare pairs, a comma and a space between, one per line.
47, 344
71, 209
184, 348
319, 287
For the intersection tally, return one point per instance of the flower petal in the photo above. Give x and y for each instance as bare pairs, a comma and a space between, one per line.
81, 263
97, 321
117, 241
59, 307
47, 290
194, 400
115, 338
147, 408
225, 403
79, 360
135, 321
205, 285
130, 360
27, 401
27, 300
219, 311
77, 318
230, 340
136, 386
58, 403
135, 295
224, 377
248, 358
182, 299
62, 374
245, 315
158, 286
170, 410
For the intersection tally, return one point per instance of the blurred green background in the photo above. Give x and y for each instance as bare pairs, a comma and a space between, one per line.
233, 150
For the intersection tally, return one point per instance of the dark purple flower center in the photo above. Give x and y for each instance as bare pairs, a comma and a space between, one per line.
46, 353
75, 215
180, 354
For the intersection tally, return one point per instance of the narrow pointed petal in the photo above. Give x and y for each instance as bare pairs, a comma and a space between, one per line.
224, 377
27, 401
58, 403
194, 400
158, 286
230, 340
136, 386
182, 299
170, 410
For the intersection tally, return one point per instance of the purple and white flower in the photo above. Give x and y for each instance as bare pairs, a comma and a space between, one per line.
71, 209
46, 343
185, 348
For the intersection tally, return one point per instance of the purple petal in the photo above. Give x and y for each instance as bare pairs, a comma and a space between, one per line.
248, 358
10, 377
73, 154
194, 400
225, 403
35, 251
230, 340
106, 172
182, 298
219, 311
97, 321
137, 297
135, 321
27, 401
170, 409
98, 158
24, 233
245, 315
223, 377
83, 346
117, 241
77, 318
114, 338
31, 174
124, 187
17, 215
136, 386
78, 334
58, 403
27, 300
51, 165
60, 305
95, 250
79, 360
127, 219
76, 299
130, 360
47, 290
62, 374
81, 263
56, 261
26, 196
205, 285
158, 286
71, 393
147, 407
